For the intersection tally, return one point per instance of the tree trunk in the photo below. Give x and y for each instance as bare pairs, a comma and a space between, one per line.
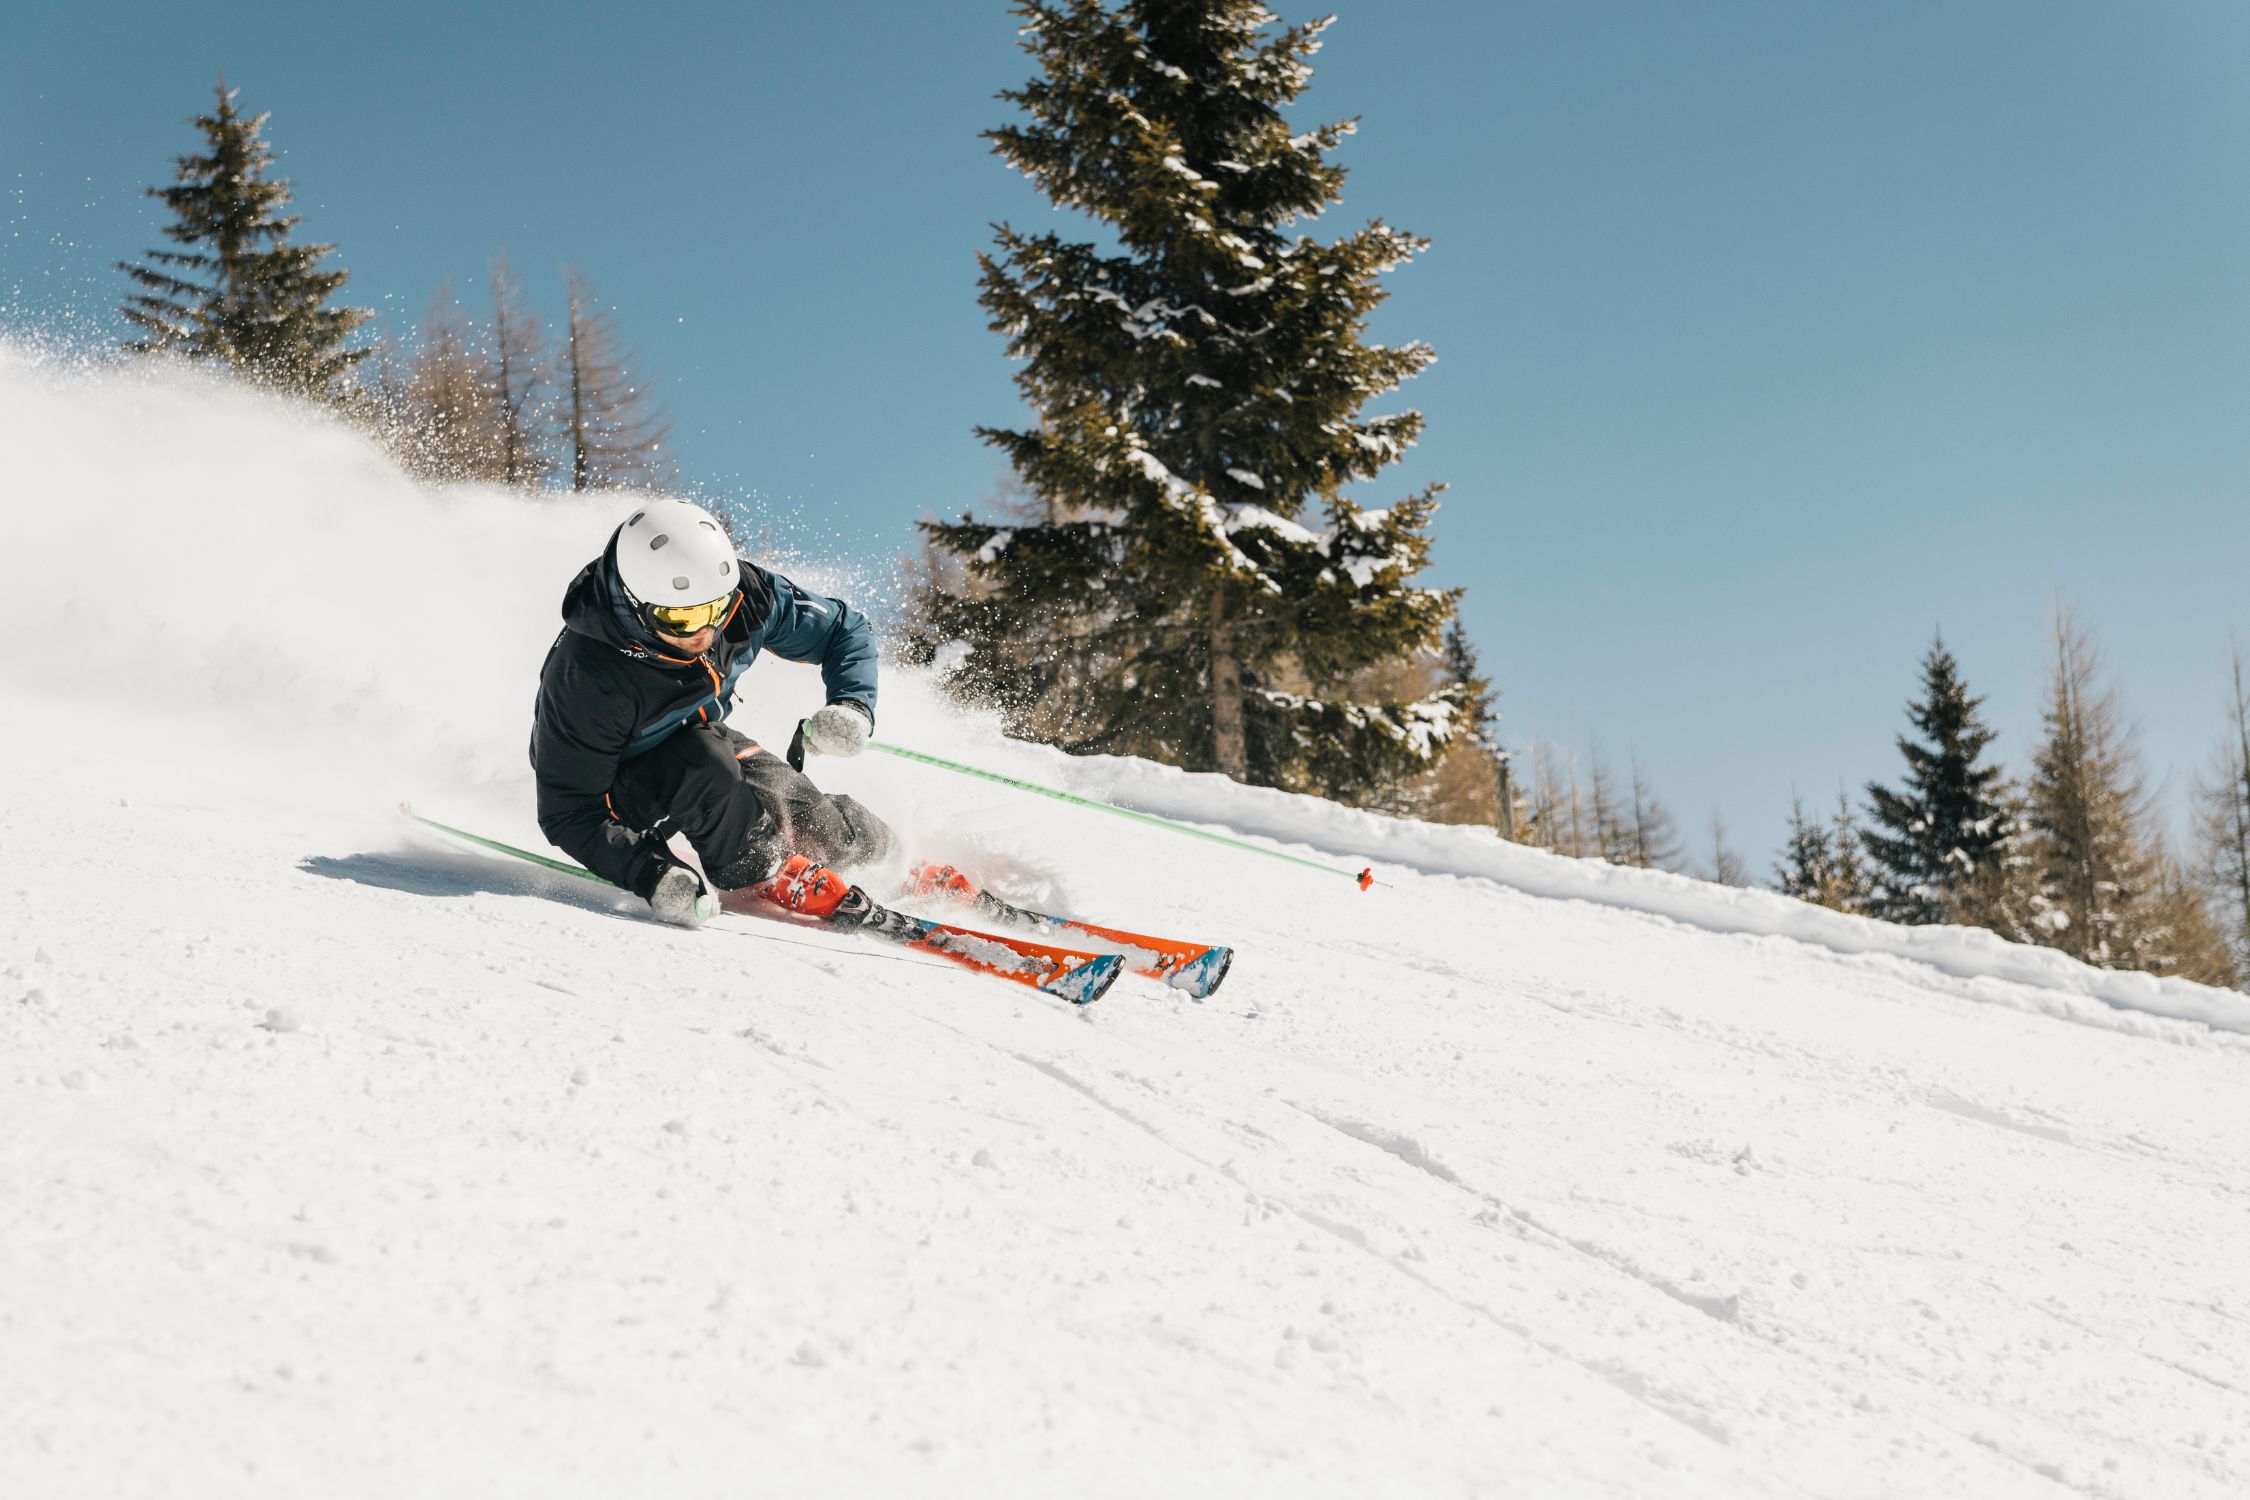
1227, 747
578, 466
2241, 855
2238, 816
574, 355
1507, 818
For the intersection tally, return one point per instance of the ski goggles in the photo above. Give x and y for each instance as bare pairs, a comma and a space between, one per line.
687, 619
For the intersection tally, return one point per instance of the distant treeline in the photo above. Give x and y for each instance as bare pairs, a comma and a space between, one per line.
499, 398
2068, 854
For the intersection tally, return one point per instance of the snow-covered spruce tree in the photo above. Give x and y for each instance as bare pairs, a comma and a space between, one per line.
1480, 721
1948, 825
1198, 392
239, 292
1476, 746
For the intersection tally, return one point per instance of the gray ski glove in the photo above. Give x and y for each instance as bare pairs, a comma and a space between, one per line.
672, 890
679, 897
839, 729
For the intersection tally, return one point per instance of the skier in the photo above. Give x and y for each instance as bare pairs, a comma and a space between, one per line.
629, 739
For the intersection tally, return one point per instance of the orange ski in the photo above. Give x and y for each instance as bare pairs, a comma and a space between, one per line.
805, 889
1196, 968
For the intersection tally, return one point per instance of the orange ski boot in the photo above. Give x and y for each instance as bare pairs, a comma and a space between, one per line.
941, 882
805, 888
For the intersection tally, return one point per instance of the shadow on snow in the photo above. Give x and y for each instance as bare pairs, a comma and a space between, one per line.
420, 874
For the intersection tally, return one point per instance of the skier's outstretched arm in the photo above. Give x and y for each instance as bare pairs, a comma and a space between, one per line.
808, 627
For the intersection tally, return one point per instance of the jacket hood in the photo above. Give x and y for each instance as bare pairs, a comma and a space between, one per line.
594, 605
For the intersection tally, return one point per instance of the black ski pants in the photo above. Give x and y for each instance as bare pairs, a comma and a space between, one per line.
719, 788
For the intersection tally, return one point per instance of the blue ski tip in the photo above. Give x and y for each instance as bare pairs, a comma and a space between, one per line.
1201, 975
1089, 981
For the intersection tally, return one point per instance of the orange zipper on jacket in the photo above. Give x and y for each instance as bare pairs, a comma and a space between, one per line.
718, 688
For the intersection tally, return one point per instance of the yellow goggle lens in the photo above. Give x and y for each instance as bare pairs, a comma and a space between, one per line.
687, 619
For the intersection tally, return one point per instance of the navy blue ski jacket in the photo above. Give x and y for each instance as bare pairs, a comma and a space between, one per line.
609, 691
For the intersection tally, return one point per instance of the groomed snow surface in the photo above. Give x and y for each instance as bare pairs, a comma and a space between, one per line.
336, 1161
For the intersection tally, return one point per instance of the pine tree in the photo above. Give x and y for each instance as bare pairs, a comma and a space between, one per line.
1198, 394
1808, 859
2097, 873
239, 292
1851, 882
2222, 823
1823, 863
1413, 793
1478, 737
611, 422
1480, 723
1949, 823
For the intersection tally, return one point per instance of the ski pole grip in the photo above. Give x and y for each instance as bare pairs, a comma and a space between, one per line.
797, 748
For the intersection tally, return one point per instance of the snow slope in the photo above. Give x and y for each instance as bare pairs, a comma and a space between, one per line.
336, 1161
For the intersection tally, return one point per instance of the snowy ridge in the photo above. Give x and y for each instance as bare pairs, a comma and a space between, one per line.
336, 1162
1310, 825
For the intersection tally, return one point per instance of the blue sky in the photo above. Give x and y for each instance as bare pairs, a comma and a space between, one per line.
1771, 336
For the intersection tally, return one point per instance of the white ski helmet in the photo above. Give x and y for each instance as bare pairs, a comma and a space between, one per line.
671, 553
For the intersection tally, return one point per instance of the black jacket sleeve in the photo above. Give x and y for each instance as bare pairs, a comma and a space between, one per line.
579, 730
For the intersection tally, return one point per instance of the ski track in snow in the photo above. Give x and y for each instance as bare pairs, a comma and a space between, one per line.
333, 1161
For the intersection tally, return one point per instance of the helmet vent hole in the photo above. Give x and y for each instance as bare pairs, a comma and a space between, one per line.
680, 584
658, 542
